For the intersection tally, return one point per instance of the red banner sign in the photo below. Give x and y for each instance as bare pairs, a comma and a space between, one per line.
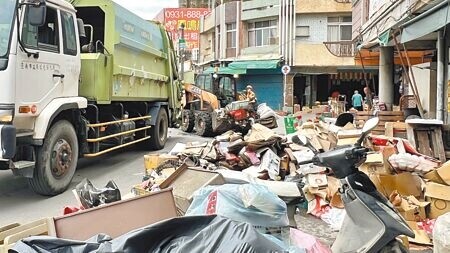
190, 17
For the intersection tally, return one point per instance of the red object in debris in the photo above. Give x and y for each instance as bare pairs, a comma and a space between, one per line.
212, 203
378, 141
70, 209
239, 114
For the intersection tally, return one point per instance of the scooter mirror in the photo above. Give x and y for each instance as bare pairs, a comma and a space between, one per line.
370, 124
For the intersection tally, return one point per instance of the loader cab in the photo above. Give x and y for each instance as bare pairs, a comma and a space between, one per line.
223, 86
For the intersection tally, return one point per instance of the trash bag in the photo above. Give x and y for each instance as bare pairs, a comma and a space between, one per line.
441, 234
182, 234
90, 196
264, 111
250, 203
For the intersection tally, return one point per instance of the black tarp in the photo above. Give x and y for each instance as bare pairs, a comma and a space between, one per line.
183, 234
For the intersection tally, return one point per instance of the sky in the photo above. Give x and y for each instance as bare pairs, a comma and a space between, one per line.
147, 9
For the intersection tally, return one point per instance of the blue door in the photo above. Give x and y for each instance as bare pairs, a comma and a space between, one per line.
268, 88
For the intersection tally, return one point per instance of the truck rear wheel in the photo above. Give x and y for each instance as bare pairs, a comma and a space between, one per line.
203, 124
56, 160
187, 121
159, 131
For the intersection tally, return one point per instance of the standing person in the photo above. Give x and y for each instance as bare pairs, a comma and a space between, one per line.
357, 101
251, 96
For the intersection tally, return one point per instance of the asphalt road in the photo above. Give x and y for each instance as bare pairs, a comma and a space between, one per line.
126, 167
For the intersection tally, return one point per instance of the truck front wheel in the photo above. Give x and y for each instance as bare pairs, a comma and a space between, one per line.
159, 131
56, 160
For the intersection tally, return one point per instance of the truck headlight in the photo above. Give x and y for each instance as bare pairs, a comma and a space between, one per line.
6, 116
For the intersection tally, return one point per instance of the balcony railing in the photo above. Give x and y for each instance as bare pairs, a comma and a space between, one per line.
341, 48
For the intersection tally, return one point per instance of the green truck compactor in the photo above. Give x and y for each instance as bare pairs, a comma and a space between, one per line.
128, 70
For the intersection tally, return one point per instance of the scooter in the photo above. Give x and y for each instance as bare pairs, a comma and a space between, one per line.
372, 223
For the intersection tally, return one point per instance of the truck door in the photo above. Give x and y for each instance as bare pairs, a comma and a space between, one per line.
53, 72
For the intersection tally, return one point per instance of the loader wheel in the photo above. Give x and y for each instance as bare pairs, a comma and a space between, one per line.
56, 160
187, 121
203, 124
158, 132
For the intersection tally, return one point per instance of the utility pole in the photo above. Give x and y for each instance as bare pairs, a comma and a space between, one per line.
181, 46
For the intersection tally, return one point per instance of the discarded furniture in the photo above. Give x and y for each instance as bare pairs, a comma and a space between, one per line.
185, 181
113, 219
426, 136
384, 116
395, 129
12, 233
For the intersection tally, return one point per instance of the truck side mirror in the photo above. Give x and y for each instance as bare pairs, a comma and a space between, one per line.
81, 30
37, 13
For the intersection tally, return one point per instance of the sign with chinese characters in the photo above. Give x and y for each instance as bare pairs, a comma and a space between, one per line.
173, 18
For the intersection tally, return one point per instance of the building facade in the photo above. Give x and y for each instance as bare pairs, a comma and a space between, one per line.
263, 35
406, 40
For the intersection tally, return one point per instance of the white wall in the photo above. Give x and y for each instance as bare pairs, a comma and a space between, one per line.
317, 27
425, 75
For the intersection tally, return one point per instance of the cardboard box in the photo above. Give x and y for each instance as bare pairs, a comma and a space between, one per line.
152, 161
439, 197
317, 180
412, 209
421, 237
387, 152
444, 173
185, 181
406, 184
433, 176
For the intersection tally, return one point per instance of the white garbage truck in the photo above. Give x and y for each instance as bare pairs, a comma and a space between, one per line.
80, 79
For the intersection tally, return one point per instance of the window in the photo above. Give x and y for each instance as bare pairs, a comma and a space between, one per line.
45, 37
200, 82
208, 83
262, 33
339, 28
302, 31
218, 39
231, 35
69, 36
226, 86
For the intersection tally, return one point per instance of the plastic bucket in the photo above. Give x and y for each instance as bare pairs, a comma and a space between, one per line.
289, 124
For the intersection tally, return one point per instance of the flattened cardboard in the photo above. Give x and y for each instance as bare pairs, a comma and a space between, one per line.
317, 180
444, 172
412, 209
405, 183
421, 237
439, 197
433, 176
346, 141
376, 158
271, 163
387, 152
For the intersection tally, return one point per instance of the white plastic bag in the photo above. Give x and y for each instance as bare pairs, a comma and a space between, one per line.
441, 234
250, 203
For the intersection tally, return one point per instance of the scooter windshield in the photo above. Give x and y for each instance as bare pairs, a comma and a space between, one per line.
7, 12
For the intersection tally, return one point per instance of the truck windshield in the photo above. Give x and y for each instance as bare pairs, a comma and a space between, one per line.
7, 11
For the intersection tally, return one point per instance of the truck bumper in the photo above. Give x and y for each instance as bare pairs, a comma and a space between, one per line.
7, 142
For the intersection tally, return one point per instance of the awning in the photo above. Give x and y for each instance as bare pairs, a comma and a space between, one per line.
225, 71
257, 64
427, 22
